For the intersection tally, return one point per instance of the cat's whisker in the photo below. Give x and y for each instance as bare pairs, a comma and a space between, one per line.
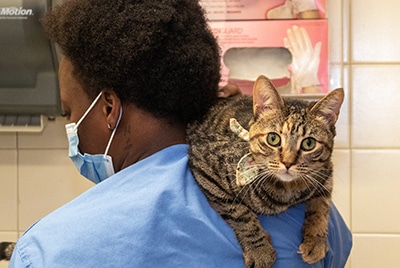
319, 174
313, 182
262, 173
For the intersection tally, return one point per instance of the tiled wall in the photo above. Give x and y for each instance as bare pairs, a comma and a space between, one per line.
37, 176
372, 58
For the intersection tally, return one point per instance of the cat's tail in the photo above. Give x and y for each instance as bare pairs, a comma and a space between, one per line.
6, 250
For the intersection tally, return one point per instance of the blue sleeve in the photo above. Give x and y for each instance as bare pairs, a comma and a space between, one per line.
285, 230
16, 260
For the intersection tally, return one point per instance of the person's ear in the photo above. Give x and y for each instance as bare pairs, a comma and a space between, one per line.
111, 109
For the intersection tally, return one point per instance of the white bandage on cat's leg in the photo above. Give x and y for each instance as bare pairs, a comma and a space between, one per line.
240, 131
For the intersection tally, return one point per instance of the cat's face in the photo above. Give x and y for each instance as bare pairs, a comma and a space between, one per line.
291, 143
293, 140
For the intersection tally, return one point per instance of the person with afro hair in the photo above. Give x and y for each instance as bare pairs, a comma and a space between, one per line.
133, 74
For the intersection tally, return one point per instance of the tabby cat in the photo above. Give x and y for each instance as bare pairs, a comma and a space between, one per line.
283, 160
6, 249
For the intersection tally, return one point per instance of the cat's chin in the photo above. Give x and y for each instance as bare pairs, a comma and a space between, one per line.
285, 177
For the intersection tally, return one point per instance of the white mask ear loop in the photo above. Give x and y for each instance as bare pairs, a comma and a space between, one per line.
88, 110
115, 129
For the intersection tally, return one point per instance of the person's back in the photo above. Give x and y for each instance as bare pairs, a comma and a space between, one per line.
150, 214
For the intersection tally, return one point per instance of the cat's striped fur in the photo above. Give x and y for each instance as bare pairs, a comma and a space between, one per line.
291, 142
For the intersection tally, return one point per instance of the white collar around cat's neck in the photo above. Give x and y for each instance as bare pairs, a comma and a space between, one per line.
245, 171
240, 131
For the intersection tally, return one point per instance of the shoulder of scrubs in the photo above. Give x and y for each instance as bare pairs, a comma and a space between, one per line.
150, 214
285, 229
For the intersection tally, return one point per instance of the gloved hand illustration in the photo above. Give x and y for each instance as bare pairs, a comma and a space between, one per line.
305, 61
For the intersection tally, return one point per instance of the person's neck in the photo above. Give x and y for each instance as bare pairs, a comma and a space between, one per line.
145, 135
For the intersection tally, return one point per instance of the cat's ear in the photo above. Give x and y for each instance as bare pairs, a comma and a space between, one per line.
328, 108
265, 96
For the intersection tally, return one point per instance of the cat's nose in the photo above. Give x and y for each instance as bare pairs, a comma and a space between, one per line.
287, 164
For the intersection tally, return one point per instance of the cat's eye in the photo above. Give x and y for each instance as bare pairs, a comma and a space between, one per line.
308, 144
273, 139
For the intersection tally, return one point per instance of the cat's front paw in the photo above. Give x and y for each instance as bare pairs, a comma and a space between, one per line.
313, 249
261, 257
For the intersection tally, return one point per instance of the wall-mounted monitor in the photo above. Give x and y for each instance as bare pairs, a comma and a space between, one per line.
28, 61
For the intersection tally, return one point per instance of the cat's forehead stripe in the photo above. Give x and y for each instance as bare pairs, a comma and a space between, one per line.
294, 125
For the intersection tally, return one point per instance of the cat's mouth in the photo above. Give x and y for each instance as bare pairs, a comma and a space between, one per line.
286, 176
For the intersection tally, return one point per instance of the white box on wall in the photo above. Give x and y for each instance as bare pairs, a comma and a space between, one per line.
261, 9
251, 48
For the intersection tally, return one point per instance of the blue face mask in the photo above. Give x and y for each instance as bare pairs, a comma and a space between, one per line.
95, 168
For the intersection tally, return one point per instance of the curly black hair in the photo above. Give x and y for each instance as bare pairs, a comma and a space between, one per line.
158, 54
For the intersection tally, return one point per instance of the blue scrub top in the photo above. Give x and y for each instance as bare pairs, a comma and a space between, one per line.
153, 214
